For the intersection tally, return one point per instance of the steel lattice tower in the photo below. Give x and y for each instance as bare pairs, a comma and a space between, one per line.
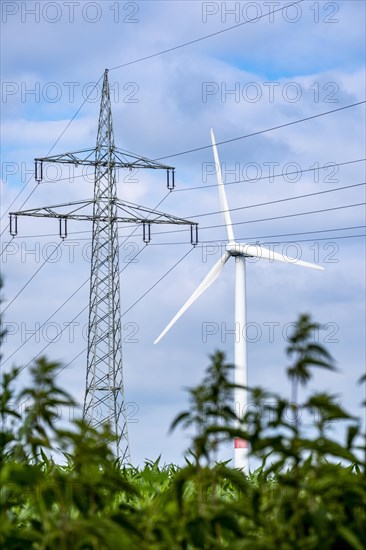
104, 400
104, 395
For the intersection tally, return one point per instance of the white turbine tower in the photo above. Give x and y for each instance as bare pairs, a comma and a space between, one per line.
239, 251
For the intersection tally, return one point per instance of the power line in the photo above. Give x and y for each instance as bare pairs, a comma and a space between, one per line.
47, 320
157, 282
249, 180
53, 146
337, 238
61, 332
247, 221
315, 239
281, 200
216, 212
273, 218
307, 232
205, 37
259, 132
7, 244
124, 313
138, 300
252, 238
259, 237
34, 274
264, 219
249, 239
253, 180
126, 237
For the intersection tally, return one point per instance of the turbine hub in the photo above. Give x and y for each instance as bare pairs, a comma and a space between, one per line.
233, 249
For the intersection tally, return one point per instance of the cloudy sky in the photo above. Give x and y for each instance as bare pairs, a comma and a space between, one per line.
246, 68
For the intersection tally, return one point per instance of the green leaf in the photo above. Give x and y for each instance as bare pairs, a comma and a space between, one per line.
350, 538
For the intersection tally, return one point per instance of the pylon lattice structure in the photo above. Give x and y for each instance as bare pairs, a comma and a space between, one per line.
104, 393
104, 400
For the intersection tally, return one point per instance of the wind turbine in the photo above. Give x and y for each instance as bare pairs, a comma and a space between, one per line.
239, 251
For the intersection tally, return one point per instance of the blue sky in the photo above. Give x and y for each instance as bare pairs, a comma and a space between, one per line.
163, 106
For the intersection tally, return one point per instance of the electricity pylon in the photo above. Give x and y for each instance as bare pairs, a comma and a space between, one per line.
104, 392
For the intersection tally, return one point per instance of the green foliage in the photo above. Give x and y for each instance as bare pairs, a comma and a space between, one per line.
210, 412
309, 493
306, 352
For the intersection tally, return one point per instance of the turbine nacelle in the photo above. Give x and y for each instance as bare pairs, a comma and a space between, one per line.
241, 249
234, 249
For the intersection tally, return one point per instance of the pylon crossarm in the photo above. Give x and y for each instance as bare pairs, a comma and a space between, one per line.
126, 212
82, 157
75, 156
95, 157
132, 160
154, 216
85, 217
50, 211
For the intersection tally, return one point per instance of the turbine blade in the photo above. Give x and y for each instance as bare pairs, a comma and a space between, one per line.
223, 199
205, 284
258, 251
